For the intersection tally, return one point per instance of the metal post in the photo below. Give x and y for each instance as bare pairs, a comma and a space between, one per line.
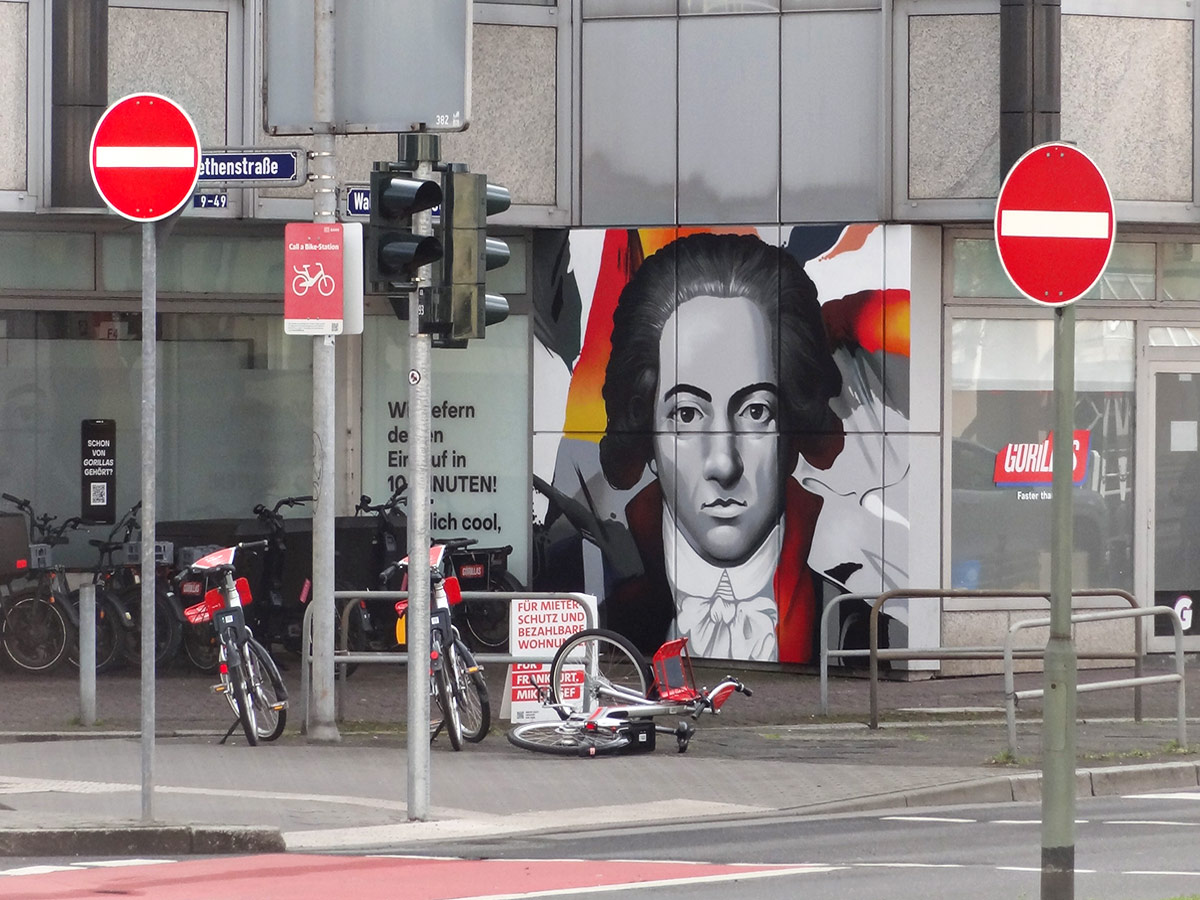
323, 727
1058, 722
149, 455
424, 150
87, 654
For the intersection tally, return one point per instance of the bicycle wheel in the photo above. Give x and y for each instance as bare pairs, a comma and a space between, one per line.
564, 739
486, 621
617, 664
34, 633
474, 706
241, 689
268, 696
110, 634
448, 702
201, 646
168, 630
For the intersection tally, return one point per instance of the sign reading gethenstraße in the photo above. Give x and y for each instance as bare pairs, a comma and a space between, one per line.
254, 167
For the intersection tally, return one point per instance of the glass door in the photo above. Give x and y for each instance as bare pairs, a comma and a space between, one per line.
1173, 551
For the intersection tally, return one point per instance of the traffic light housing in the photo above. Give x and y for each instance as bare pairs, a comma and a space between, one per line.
463, 301
393, 251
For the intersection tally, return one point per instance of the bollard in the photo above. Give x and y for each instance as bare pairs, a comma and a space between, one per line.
87, 655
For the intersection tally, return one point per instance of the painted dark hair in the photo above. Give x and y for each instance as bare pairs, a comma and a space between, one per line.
718, 265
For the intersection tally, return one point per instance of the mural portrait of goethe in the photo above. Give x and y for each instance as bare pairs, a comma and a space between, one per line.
719, 378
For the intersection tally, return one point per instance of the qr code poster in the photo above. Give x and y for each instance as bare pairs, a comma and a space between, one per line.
98, 471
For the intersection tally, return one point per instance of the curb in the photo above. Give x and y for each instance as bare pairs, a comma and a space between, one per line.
140, 840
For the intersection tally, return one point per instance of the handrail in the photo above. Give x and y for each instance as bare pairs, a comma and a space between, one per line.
917, 593
1011, 696
343, 657
825, 652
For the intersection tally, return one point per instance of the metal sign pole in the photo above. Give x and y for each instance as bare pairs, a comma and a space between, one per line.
1058, 717
424, 149
323, 724
149, 452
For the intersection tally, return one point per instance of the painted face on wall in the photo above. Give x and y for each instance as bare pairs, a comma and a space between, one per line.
716, 445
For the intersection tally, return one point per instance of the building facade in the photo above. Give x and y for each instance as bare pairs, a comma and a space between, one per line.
856, 141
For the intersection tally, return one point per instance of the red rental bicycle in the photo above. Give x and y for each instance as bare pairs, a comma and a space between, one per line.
250, 680
607, 695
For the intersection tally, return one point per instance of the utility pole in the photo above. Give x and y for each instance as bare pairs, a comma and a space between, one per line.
420, 150
1030, 114
323, 725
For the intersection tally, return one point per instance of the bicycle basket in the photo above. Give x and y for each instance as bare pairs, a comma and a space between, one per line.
673, 672
214, 602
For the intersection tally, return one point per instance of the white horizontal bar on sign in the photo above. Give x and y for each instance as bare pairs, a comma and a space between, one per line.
145, 157
1053, 223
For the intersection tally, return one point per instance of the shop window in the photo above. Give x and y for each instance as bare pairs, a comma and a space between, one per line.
47, 261
1002, 413
1129, 274
234, 411
1181, 271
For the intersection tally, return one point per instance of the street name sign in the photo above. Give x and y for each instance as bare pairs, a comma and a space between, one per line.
145, 157
1055, 224
253, 167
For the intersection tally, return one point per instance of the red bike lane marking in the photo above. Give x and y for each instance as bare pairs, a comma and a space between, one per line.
308, 877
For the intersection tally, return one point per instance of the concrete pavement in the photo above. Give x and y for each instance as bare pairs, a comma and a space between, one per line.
67, 789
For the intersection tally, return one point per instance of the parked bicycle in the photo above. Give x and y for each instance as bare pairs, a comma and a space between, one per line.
112, 579
607, 696
39, 623
456, 682
250, 680
285, 584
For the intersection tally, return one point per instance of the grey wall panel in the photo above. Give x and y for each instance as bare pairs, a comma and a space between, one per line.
953, 106
628, 114
729, 119
831, 162
14, 85
513, 117
178, 53
1127, 99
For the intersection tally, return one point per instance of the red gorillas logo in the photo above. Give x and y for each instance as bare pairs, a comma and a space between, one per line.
1031, 463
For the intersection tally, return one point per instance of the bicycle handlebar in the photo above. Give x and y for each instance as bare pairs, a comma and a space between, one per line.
364, 502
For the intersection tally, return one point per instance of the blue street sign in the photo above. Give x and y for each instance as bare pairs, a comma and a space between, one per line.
253, 167
358, 200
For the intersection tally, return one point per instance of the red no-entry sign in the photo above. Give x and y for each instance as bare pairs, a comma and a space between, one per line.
1054, 224
145, 157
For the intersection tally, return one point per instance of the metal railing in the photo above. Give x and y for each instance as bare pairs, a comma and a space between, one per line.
1012, 696
874, 653
343, 657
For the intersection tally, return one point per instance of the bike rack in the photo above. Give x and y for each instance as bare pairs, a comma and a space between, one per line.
1011, 696
343, 657
875, 653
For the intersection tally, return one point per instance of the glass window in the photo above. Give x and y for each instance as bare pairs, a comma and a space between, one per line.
47, 261
1128, 276
1001, 415
479, 438
196, 264
1181, 271
59, 368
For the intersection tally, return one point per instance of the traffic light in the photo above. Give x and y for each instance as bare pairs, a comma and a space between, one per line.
469, 254
393, 251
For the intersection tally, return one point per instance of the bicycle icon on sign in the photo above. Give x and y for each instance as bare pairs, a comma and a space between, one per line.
305, 279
